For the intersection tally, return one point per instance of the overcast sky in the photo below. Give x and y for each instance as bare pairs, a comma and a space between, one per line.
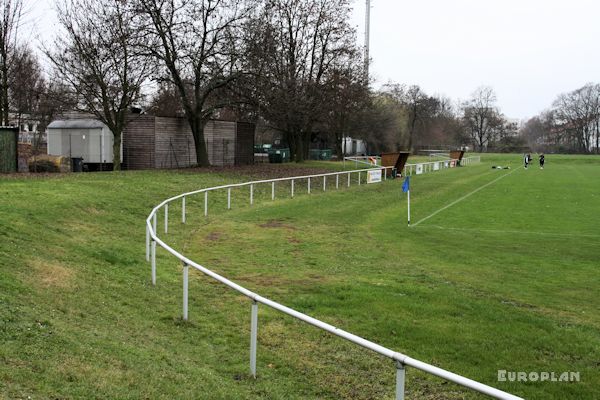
529, 51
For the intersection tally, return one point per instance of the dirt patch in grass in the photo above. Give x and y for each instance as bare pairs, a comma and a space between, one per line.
214, 236
275, 223
280, 282
50, 274
93, 211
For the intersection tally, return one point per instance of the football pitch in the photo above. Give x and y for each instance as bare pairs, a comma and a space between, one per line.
498, 272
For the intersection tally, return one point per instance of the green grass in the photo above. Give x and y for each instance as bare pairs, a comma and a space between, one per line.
505, 279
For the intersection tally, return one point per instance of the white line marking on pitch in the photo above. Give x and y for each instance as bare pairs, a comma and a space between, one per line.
465, 196
570, 235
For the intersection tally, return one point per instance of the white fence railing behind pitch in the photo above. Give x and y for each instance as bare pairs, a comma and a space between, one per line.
444, 156
400, 360
371, 161
432, 166
414, 168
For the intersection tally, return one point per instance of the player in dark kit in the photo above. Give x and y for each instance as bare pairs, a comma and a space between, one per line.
542, 161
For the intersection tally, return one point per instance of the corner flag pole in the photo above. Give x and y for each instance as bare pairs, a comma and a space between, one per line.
406, 189
408, 194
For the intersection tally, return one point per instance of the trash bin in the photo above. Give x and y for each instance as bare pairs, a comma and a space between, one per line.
279, 155
318, 154
275, 157
76, 164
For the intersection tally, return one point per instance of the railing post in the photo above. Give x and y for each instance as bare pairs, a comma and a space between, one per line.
147, 243
253, 335
273, 190
337, 181
205, 204
309, 185
166, 217
251, 194
348, 179
400, 376
153, 250
324, 183
229, 198
358, 178
385, 174
154, 262
183, 209
186, 270
292, 188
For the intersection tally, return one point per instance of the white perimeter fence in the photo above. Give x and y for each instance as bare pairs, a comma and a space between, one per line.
401, 360
416, 168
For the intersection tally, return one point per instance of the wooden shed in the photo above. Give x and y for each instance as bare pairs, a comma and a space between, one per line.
8, 149
167, 142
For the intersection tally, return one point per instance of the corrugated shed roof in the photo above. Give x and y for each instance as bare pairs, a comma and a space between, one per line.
76, 124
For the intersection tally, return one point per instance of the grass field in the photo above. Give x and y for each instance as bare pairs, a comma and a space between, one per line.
505, 279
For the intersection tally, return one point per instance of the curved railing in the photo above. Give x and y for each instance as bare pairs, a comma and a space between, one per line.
401, 360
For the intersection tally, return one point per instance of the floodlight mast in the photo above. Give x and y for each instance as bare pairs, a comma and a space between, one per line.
367, 31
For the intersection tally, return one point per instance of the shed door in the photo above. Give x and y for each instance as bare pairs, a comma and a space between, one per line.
77, 143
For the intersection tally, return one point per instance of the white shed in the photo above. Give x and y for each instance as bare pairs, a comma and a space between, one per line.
354, 147
88, 139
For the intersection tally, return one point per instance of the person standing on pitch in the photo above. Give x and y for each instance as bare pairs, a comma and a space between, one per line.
526, 160
542, 161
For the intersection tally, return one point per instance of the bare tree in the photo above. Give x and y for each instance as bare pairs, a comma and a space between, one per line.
196, 44
481, 117
577, 118
348, 102
293, 48
419, 108
26, 83
445, 127
534, 131
383, 123
166, 101
98, 57
11, 12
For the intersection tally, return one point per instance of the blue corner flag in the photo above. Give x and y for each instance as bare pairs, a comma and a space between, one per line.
406, 185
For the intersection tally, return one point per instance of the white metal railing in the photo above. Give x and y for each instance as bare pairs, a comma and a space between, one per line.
422, 168
444, 156
416, 168
371, 161
400, 360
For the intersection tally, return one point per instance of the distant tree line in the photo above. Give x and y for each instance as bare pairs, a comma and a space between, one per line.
571, 125
290, 65
406, 117
25, 91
